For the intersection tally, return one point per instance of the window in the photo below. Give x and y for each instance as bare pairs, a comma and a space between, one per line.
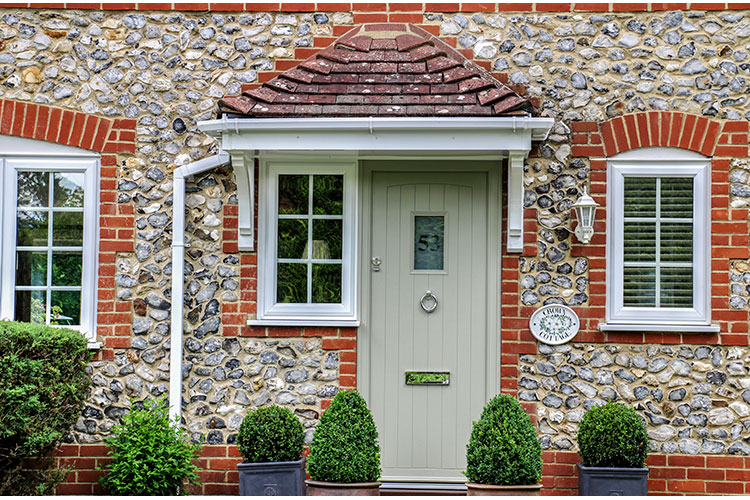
658, 240
49, 240
306, 260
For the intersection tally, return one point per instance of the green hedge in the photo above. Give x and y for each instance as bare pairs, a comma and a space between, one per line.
43, 386
503, 449
345, 444
613, 435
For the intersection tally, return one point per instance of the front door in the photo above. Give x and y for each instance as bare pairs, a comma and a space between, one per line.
428, 329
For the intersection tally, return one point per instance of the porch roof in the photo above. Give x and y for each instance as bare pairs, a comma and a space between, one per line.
385, 69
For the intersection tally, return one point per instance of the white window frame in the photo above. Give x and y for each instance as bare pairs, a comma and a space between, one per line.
272, 313
28, 155
659, 162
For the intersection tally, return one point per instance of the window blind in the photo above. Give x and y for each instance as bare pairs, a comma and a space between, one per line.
658, 242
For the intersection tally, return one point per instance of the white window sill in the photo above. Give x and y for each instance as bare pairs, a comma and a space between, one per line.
652, 327
94, 345
340, 323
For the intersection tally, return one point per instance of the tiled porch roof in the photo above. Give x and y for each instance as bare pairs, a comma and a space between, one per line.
393, 69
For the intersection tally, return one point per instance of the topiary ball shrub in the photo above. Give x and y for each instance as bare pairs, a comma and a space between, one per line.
613, 435
345, 444
150, 454
503, 449
271, 434
44, 383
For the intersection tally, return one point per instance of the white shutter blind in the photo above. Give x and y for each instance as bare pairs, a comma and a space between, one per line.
658, 242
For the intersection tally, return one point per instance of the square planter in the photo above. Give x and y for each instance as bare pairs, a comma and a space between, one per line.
272, 478
612, 481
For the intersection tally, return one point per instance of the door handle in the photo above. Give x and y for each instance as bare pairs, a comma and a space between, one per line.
375, 261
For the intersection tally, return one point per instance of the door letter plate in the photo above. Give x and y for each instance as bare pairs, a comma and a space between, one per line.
428, 378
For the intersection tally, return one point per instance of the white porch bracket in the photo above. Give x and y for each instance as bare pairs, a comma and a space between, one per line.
514, 242
244, 175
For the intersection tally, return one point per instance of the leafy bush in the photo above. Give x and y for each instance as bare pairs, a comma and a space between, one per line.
503, 448
150, 456
43, 386
345, 444
613, 435
271, 434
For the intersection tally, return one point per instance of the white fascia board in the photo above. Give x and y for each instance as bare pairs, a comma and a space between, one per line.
379, 134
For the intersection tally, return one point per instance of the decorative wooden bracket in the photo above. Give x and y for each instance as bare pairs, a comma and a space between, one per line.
244, 175
515, 201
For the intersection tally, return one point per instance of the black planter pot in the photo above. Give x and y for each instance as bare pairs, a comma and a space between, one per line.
612, 481
272, 478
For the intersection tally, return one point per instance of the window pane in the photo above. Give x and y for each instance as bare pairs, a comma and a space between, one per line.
328, 194
33, 189
32, 229
67, 229
294, 191
326, 283
31, 268
640, 241
66, 308
31, 307
429, 232
327, 239
676, 287
292, 238
639, 287
66, 268
292, 283
677, 242
677, 197
68, 189
640, 197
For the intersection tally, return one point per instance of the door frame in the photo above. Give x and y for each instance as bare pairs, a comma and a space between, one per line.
493, 168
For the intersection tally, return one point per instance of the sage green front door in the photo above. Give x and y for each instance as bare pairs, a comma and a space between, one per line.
428, 318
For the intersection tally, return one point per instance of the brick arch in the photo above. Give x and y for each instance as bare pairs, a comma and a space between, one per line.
66, 127
660, 128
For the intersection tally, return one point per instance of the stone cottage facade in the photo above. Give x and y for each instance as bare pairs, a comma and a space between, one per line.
117, 105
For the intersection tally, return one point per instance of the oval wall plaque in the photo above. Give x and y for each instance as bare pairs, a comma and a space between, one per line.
554, 324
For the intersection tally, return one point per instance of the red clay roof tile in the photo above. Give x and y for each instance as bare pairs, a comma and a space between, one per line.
382, 69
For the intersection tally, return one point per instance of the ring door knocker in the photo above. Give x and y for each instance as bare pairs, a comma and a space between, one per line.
428, 302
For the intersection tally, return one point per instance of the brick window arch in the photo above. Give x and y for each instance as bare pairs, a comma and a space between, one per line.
114, 140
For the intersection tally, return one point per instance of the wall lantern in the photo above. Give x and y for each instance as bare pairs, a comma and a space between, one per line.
585, 208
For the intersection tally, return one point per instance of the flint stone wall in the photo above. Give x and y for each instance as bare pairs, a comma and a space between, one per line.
166, 70
694, 399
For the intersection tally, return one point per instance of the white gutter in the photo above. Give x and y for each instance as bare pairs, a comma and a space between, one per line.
539, 127
178, 272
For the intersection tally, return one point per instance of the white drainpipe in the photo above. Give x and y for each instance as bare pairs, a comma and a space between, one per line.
178, 272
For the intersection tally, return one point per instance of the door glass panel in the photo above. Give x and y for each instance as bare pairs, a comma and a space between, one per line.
429, 232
